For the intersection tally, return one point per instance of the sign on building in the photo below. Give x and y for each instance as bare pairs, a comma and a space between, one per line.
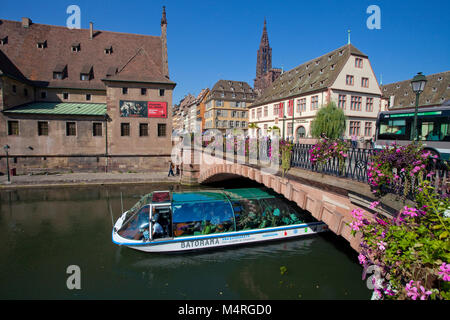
143, 109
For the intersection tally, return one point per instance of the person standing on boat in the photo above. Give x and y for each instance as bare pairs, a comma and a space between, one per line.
157, 231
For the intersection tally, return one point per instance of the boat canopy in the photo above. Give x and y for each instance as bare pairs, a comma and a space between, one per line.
204, 212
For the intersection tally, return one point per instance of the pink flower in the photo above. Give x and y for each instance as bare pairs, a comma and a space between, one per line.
381, 245
424, 293
411, 290
355, 225
445, 271
381, 221
412, 212
374, 204
362, 259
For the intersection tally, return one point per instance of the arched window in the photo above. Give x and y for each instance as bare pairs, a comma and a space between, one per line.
301, 132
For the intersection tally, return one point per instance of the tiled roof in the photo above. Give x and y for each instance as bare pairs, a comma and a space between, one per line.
201, 95
60, 108
232, 90
137, 57
436, 92
316, 74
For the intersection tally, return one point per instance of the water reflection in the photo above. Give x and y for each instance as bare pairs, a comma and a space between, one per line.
224, 255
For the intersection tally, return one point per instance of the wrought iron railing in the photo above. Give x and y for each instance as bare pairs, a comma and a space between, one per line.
354, 167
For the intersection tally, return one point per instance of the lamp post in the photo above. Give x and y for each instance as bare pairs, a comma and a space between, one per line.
6, 148
417, 85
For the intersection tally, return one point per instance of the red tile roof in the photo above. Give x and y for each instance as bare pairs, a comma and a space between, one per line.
137, 57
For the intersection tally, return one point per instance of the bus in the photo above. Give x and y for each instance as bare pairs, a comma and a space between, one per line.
433, 129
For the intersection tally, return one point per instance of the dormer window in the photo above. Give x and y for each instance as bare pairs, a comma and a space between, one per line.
332, 67
108, 50
111, 71
86, 73
60, 72
76, 47
57, 75
42, 44
4, 41
317, 62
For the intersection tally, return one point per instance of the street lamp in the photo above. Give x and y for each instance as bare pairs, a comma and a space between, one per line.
417, 85
6, 148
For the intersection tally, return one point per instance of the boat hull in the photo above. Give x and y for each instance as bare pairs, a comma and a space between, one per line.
224, 239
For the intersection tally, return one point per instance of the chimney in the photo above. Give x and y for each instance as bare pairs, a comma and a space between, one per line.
26, 22
91, 30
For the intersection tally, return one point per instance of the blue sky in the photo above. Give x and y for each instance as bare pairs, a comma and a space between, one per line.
212, 40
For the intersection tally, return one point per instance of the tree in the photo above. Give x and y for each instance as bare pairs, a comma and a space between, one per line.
330, 121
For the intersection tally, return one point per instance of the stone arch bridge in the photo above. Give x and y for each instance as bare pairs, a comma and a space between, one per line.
329, 199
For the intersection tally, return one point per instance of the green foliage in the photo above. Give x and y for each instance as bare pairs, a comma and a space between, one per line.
283, 270
286, 150
329, 120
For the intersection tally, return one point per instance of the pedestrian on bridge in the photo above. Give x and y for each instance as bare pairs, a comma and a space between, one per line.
170, 169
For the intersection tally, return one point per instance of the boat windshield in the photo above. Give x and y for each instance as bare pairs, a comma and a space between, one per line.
145, 200
137, 226
199, 218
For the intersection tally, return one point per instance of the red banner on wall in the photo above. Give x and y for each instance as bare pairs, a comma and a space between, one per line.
281, 110
157, 109
291, 108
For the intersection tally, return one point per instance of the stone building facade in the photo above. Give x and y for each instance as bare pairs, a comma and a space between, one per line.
226, 105
83, 99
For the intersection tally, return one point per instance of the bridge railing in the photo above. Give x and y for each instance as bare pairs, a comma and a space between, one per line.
355, 167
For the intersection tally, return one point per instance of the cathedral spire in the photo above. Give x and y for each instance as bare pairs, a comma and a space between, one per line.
163, 18
264, 37
265, 75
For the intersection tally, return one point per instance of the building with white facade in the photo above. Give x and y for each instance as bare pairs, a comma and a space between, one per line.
344, 76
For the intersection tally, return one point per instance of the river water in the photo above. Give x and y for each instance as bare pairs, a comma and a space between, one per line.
44, 231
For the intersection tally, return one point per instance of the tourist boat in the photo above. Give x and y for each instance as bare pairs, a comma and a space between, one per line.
167, 221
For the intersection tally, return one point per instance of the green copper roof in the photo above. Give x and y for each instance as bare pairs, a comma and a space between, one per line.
61, 108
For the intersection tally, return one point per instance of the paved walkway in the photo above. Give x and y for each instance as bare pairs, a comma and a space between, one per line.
85, 179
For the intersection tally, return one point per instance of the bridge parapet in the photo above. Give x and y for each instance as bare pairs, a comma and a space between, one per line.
330, 199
